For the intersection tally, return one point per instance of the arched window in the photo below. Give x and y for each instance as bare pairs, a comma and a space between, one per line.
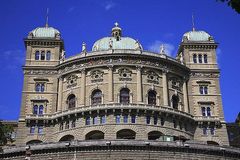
71, 101
94, 135
205, 58
37, 55
200, 58
152, 97
124, 96
43, 55
154, 135
126, 134
67, 138
175, 100
48, 56
96, 97
40, 110
39, 87
194, 58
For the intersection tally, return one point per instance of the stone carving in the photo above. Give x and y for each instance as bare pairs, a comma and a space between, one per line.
96, 76
72, 81
125, 74
152, 77
62, 59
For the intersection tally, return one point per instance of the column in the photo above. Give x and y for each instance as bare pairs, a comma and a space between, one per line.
139, 84
165, 88
83, 86
185, 96
60, 90
110, 83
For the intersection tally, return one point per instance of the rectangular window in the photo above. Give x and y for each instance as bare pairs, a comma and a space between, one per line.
162, 121
61, 126
205, 131
95, 120
133, 119
203, 89
125, 119
40, 129
212, 130
73, 125
208, 111
203, 111
39, 87
155, 120
67, 125
174, 124
32, 129
118, 118
103, 119
88, 120
148, 119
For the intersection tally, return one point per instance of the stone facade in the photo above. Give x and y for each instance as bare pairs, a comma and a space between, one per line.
120, 91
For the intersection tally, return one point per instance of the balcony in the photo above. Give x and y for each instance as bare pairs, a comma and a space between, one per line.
113, 106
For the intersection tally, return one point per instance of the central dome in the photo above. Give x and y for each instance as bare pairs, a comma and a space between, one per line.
116, 41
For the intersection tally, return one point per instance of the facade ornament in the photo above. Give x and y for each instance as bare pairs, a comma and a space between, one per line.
110, 43
162, 49
62, 59
84, 48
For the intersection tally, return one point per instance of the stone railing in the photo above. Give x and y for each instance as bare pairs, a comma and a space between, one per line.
109, 106
206, 118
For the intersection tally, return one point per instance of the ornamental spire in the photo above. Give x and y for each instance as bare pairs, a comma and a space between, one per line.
193, 25
46, 25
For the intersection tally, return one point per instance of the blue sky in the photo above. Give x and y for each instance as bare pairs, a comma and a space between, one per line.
152, 22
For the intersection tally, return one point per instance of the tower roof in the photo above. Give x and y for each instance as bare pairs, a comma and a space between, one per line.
45, 32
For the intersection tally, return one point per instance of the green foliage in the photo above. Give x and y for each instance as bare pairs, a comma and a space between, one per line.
5, 133
235, 4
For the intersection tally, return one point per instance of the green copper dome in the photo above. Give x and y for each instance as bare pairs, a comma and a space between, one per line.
197, 36
45, 32
112, 43
116, 41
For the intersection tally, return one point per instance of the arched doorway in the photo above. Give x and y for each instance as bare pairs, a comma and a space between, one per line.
94, 135
126, 134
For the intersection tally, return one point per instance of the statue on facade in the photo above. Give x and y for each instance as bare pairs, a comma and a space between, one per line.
84, 48
111, 43
62, 59
162, 49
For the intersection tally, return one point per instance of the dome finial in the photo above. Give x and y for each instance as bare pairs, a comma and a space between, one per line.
46, 25
116, 31
193, 26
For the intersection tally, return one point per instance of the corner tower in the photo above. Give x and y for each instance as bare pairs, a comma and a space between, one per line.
198, 52
44, 51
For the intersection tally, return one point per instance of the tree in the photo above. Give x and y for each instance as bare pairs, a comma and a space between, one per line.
235, 4
5, 134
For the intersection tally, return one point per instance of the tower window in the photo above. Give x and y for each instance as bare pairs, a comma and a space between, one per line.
206, 111
39, 87
38, 109
37, 55
42, 55
48, 56
205, 58
203, 89
194, 58
200, 58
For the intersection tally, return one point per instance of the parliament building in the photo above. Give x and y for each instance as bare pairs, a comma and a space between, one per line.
119, 101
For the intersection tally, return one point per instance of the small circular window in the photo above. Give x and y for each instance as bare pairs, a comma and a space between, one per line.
124, 75
96, 76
